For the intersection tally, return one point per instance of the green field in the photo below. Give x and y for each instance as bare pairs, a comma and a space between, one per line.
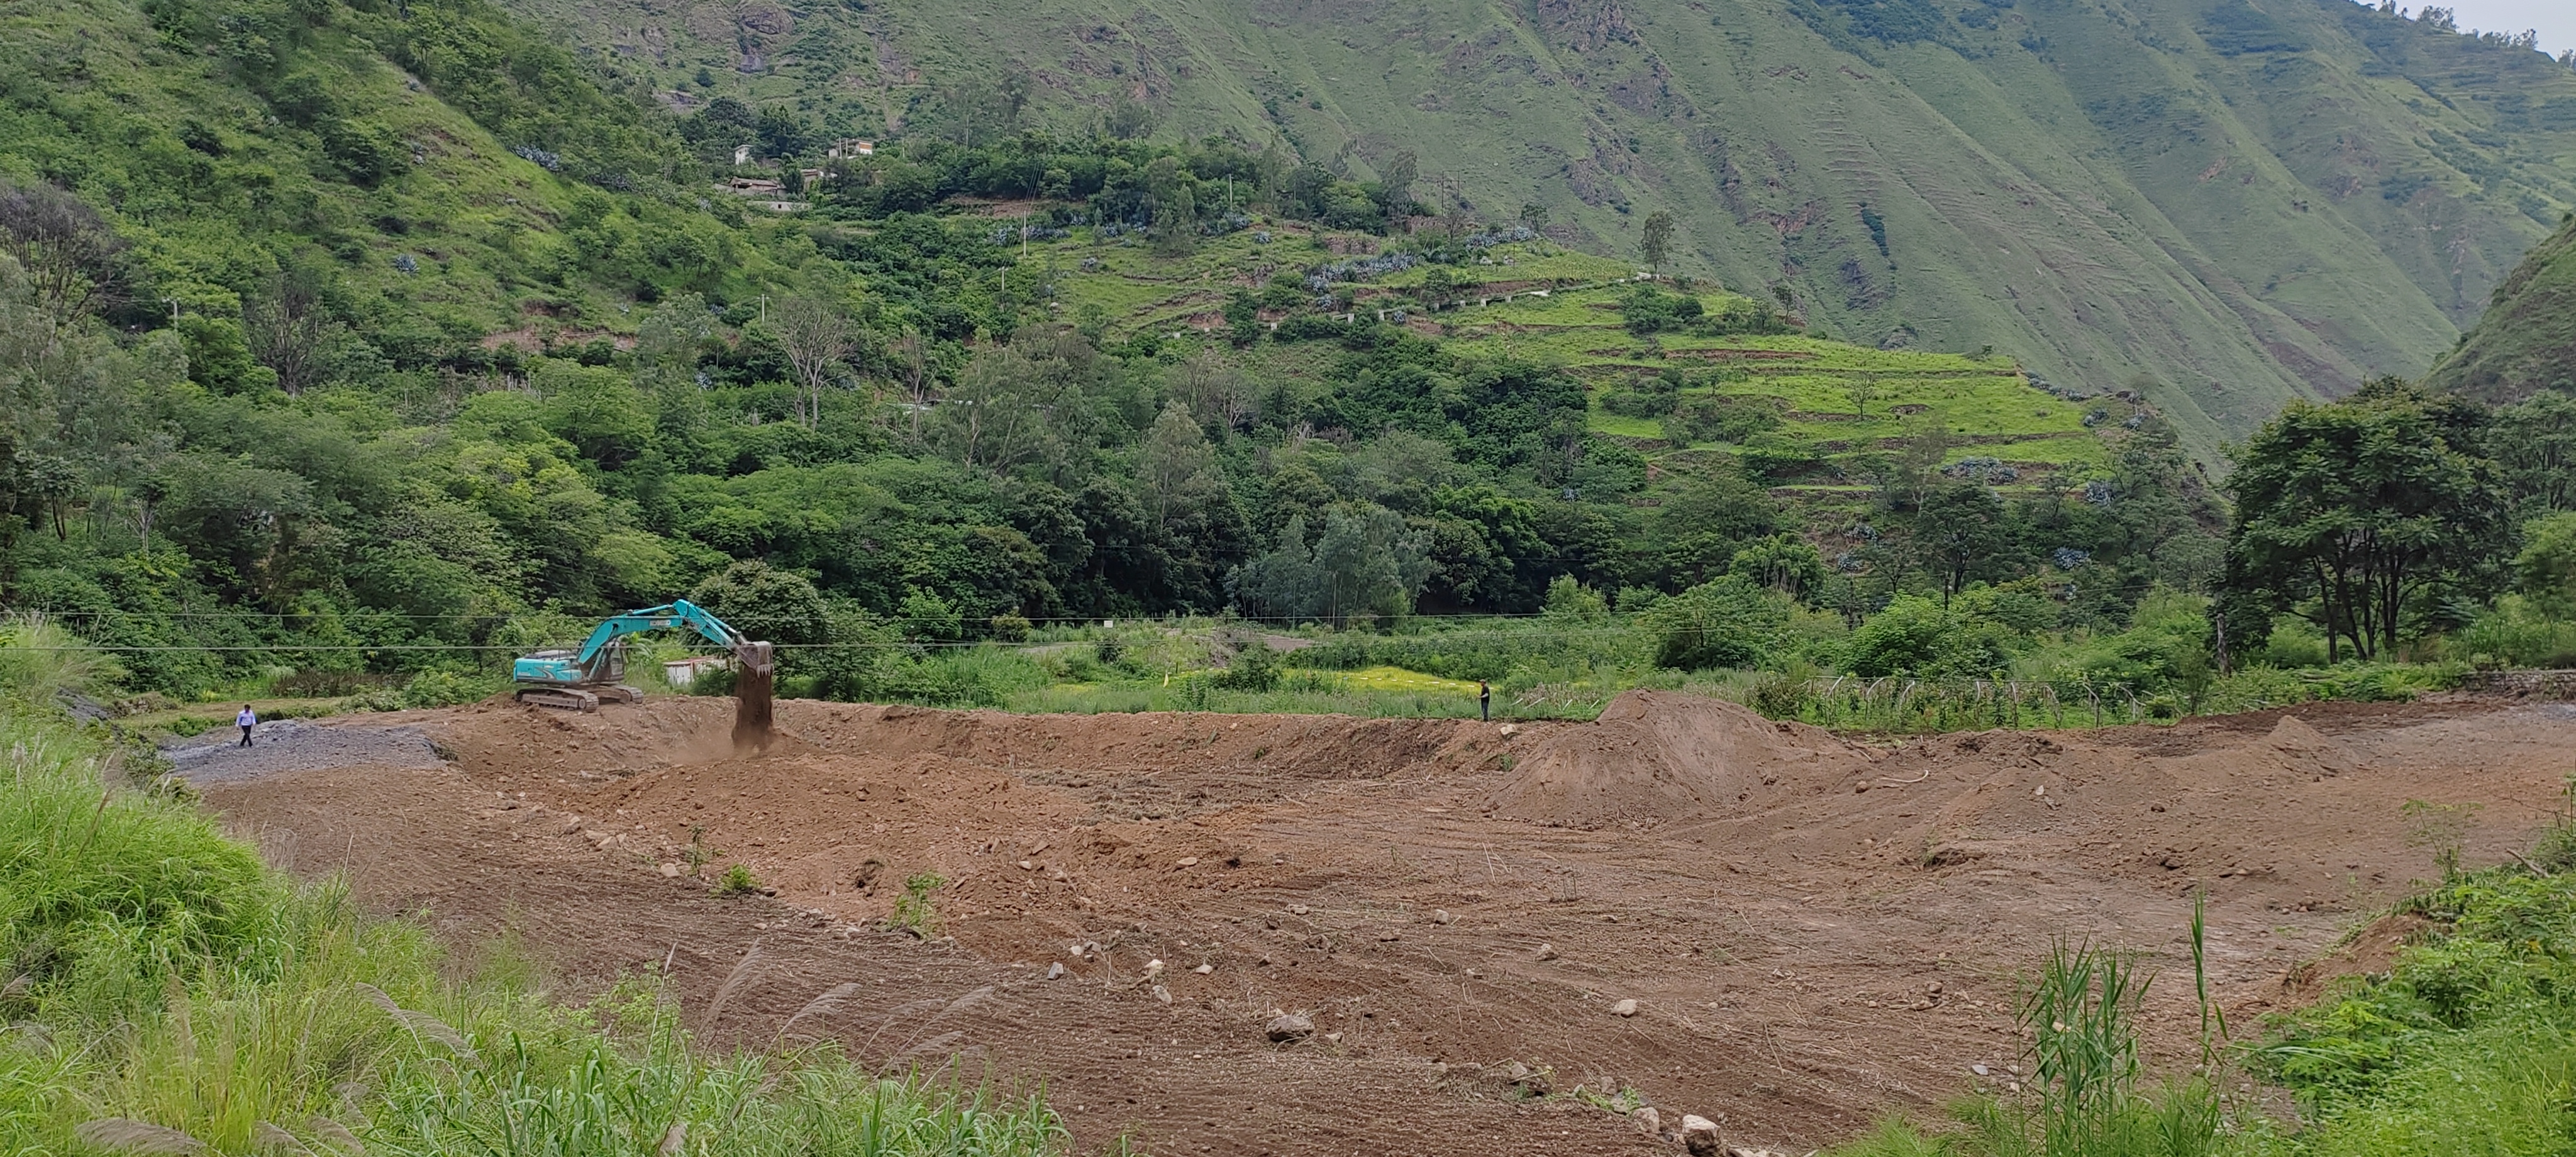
1537, 301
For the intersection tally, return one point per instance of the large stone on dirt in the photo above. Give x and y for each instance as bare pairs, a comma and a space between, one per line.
1288, 1028
1700, 1137
1526, 1079
1624, 1008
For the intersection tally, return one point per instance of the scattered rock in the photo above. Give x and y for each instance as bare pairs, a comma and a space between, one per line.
1526, 1079
1699, 1136
1162, 994
1154, 968
1204, 969
669, 869
1547, 952
1624, 1008
1028, 866
1980, 1070
1296, 909
1442, 916
1288, 1028
1055, 971
1187, 862
1647, 1120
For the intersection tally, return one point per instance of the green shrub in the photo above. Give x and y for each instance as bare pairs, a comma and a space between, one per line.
1916, 636
1255, 668
1570, 603
444, 688
914, 911
1723, 418
1648, 310
2546, 569
1639, 403
1727, 622
2515, 633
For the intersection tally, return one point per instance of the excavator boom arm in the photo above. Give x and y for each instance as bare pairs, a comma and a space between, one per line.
676, 613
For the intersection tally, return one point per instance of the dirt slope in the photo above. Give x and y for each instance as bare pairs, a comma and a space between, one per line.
1443, 896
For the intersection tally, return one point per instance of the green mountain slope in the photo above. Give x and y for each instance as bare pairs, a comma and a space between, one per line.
2527, 340
433, 175
2243, 202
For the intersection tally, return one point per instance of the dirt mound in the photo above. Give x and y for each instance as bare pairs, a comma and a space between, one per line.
1657, 756
2305, 749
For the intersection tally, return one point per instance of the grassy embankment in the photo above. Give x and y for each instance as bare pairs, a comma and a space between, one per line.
2466, 1044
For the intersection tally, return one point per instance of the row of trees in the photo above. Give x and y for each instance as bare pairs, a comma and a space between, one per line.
2394, 513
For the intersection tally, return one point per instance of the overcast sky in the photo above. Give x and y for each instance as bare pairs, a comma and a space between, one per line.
2556, 19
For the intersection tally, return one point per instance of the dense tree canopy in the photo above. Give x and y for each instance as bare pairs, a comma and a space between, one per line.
2359, 512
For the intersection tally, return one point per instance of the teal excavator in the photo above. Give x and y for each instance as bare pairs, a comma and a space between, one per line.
578, 679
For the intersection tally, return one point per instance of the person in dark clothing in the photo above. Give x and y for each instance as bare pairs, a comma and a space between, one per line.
1484, 701
246, 720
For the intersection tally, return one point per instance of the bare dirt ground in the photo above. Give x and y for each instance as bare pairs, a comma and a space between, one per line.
1814, 930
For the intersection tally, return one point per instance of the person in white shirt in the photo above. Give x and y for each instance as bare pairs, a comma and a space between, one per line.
246, 720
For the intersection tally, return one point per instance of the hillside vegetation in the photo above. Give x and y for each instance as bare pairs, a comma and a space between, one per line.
2222, 203
2526, 340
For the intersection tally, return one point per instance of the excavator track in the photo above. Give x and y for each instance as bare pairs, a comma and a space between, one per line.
562, 698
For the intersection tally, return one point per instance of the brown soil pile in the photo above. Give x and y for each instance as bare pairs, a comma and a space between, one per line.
1814, 930
1657, 756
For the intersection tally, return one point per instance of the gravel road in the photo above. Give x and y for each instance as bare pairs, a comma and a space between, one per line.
298, 745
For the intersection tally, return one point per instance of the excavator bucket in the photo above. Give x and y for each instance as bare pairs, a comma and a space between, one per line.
756, 670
